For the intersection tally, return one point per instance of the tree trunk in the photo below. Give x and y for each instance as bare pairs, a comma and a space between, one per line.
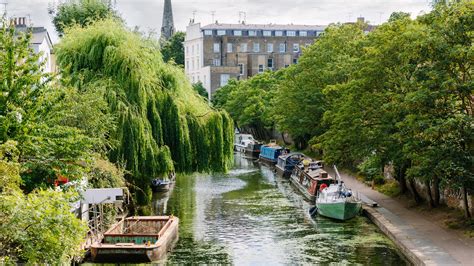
401, 179
436, 191
428, 191
467, 213
416, 196
283, 138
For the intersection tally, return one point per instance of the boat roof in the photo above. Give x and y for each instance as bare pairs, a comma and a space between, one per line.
284, 156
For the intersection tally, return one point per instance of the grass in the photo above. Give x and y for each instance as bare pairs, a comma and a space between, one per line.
391, 188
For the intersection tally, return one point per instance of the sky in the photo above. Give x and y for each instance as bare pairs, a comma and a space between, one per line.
147, 14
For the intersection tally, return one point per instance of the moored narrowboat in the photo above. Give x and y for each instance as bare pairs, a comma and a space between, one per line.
137, 239
308, 176
270, 153
287, 162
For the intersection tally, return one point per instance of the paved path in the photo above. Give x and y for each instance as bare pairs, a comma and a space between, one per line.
432, 244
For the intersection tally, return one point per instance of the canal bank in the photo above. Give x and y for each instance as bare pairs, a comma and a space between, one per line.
422, 241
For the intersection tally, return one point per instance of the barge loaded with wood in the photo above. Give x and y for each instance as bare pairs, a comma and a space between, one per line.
137, 239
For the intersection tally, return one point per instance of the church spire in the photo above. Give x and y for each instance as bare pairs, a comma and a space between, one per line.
167, 27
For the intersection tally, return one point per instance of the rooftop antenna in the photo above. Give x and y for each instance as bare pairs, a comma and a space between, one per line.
194, 14
244, 15
213, 14
350, 16
380, 18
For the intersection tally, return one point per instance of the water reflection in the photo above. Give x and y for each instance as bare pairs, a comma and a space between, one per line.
250, 216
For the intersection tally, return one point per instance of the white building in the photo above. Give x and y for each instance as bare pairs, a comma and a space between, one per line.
40, 43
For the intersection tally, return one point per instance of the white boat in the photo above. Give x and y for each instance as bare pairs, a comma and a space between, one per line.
247, 145
337, 201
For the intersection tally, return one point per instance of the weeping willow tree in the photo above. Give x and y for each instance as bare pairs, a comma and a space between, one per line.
163, 125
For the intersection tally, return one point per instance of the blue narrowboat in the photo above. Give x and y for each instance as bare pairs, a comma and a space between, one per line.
269, 153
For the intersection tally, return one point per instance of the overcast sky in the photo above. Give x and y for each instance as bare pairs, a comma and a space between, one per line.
147, 14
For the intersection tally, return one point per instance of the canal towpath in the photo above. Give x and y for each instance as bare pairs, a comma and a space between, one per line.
427, 242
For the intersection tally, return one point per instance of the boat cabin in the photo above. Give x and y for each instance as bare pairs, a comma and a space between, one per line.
287, 162
308, 176
270, 153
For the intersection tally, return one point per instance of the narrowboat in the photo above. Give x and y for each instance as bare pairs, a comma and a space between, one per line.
270, 153
253, 149
308, 176
337, 201
287, 162
137, 239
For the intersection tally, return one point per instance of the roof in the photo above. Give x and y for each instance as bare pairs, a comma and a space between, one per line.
220, 26
39, 34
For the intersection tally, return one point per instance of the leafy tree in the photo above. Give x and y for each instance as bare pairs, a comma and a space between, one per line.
152, 102
248, 102
81, 12
199, 88
40, 227
306, 93
173, 49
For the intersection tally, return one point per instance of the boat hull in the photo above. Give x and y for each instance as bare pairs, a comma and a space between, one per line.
303, 190
267, 161
339, 210
282, 172
138, 252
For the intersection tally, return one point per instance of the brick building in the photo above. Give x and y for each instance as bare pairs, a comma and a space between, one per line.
216, 53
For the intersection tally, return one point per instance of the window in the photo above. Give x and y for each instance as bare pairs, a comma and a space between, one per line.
270, 63
256, 47
269, 47
187, 65
303, 33
192, 68
261, 68
295, 60
267, 33
237, 33
198, 65
241, 69
192, 49
187, 50
296, 48
221, 32
224, 79
216, 62
208, 32
217, 47
318, 33
252, 33
278, 33
229, 47
282, 47
291, 33
243, 48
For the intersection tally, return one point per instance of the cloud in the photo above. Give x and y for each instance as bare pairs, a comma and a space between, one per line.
147, 14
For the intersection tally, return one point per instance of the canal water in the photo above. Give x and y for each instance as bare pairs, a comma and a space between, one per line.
252, 217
